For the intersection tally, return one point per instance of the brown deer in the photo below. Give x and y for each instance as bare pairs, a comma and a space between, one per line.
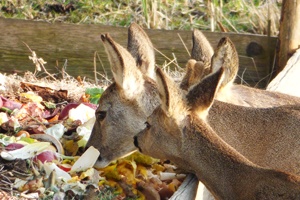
125, 104
226, 55
266, 136
174, 131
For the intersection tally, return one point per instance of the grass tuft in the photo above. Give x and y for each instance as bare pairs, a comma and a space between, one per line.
215, 15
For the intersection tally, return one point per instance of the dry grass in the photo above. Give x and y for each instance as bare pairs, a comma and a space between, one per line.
234, 16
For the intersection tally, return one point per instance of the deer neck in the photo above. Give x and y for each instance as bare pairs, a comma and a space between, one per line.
221, 168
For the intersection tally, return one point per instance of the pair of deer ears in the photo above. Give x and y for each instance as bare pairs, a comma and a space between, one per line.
225, 55
198, 99
129, 65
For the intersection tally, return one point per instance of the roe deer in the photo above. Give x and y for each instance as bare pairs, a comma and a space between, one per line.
175, 132
227, 56
266, 136
126, 103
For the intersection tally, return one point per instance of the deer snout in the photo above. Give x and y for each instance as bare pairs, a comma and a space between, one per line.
101, 162
136, 144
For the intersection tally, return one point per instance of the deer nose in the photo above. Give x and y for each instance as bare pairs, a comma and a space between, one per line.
99, 158
135, 141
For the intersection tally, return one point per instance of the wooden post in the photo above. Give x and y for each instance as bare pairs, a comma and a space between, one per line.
289, 32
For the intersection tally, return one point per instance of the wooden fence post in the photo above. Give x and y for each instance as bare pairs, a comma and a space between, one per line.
289, 32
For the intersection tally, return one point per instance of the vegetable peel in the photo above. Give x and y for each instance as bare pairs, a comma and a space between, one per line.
87, 160
25, 152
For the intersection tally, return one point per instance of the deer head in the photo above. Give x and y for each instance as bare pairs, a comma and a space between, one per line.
167, 121
127, 102
225, 55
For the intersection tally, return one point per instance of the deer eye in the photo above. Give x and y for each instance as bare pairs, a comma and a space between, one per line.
101, 115
148, 126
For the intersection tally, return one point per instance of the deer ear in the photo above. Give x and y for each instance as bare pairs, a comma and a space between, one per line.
195, 70
123, 66
172, 100
202, 50
161, 80
201, 96
141, 48
226, 56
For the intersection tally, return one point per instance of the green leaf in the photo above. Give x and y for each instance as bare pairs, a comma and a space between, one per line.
49, 104
95, 94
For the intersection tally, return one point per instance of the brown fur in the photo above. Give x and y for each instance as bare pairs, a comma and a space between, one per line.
201, 51
204, 92
226, 56
195, 147
243, 137
126, 110
125, 105
200, 63
265, 135
195, 71
143, 54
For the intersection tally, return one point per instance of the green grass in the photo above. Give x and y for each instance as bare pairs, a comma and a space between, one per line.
230, 15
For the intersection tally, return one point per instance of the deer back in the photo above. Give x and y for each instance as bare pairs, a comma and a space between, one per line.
266, 136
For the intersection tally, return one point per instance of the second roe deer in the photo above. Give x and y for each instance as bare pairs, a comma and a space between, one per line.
176, 133
260, 133
226, 55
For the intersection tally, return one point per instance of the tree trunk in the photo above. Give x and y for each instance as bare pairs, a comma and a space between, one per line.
289, 32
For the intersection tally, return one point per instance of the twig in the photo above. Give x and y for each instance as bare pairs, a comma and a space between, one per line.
102, 65
166, 57
184, 45
105, 77
39, 62
64, 68
95, 68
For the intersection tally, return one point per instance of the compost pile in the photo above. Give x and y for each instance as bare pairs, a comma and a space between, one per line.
44, 127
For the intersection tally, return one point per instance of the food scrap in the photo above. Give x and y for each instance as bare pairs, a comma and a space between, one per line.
43, 133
